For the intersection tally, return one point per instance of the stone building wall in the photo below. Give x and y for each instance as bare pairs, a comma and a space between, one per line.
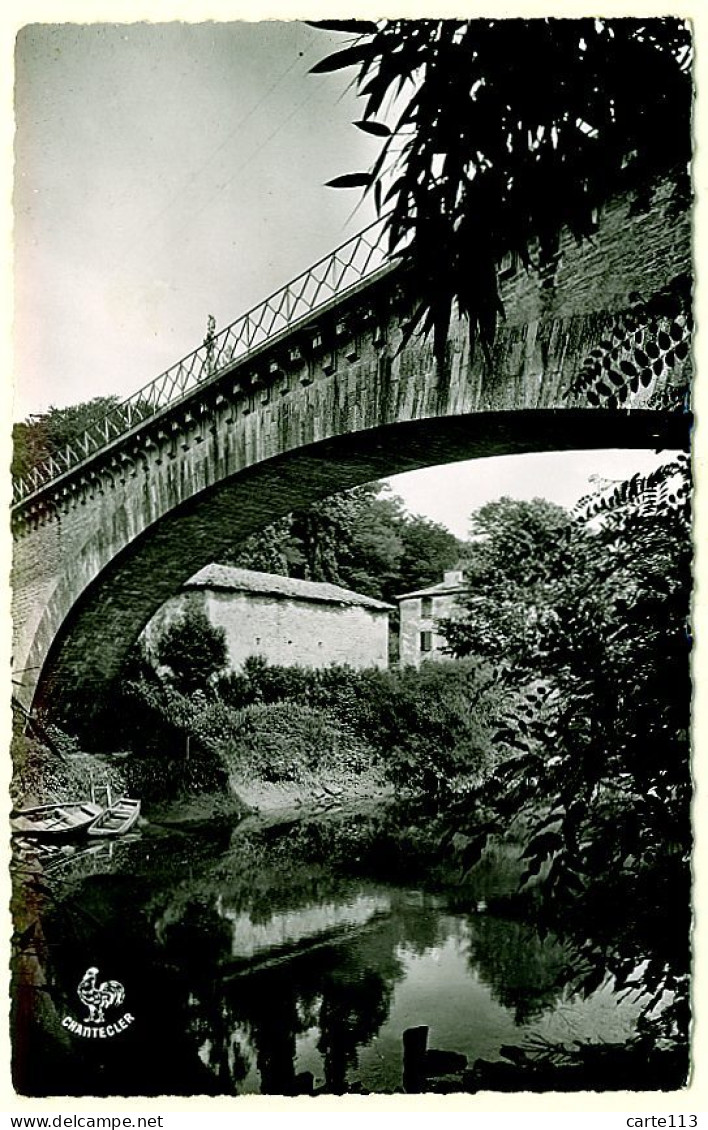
413, 623
286, 632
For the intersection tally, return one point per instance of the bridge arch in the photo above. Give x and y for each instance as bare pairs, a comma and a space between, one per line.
324, 405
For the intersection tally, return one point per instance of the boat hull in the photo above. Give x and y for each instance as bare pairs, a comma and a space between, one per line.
55, 821
116, 820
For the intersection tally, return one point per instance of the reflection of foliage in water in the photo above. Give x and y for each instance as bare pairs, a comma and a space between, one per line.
419, 926
253, 877
524, 971
352, 1012
199, 938
397, 843
164, 927
344, 991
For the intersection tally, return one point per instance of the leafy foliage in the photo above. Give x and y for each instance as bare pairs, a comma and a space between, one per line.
429, 728
644, 343
427, 731
362, 539
504, 132
273, 549
194, 649
505, 582
172, 758
290, 741
43, 435
39, 774
597, 742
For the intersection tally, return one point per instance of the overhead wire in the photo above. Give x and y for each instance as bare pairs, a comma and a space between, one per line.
192, 177
252, 156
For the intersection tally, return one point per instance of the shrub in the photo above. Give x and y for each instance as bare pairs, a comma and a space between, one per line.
194, 649
39, 774
288, 741
173, 757
426, 729
426, 725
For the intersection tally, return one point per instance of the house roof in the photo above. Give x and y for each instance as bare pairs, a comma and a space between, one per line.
228, 579
444, 588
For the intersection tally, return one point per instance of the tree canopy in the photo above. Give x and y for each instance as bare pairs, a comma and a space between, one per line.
35, 439
510, 540
593, 653
362, 539
498, 133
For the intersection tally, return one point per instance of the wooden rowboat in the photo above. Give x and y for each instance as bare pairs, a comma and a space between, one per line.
55, 821
118, 818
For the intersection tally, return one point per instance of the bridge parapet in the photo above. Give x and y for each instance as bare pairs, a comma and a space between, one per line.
310, 327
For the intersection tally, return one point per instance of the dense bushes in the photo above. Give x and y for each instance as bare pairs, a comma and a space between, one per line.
172, 757
424, 729
286, 741
40, 774
192, 744
426, 726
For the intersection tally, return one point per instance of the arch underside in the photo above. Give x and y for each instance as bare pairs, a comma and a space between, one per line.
98, 631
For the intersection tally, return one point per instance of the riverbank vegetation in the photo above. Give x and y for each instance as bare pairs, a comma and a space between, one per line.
425, 732
48, 765
563, 723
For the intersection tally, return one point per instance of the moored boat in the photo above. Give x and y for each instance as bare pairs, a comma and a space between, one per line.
118, 818
55, 821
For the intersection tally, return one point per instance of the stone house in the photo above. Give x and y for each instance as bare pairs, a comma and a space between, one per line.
287, 621
420, 612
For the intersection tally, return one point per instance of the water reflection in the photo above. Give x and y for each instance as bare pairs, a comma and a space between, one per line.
524, 971
260, 972
292, 927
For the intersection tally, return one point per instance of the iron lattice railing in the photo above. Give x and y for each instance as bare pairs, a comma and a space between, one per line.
330, 278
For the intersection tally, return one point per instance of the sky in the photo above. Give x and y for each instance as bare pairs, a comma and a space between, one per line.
165, 172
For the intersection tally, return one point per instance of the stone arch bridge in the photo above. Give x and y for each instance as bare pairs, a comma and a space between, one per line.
306, 395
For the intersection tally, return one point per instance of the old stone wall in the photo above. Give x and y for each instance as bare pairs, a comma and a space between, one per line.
286, 632
413, 623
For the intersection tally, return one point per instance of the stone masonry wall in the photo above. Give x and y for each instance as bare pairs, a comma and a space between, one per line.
286, 632
412, 623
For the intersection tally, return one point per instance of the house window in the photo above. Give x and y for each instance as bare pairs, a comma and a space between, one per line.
507, 265
426, 641
426, 607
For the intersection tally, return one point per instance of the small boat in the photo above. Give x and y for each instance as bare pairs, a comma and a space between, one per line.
55, 821
118, 818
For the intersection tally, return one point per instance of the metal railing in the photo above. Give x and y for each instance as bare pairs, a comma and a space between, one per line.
330, 278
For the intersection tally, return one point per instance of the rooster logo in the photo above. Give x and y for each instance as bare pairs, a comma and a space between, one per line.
97, 998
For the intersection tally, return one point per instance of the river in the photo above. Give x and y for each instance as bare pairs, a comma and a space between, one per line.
274, 960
